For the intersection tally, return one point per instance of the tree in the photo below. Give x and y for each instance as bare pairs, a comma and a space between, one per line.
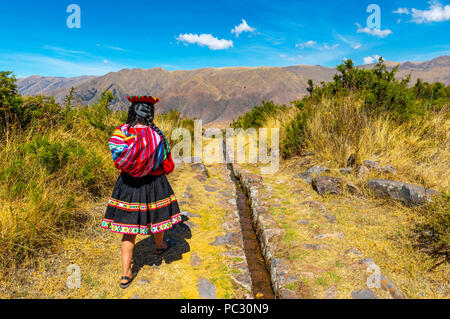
310, 87
10, 99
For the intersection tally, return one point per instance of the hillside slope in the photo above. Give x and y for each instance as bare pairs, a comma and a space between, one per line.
213, 94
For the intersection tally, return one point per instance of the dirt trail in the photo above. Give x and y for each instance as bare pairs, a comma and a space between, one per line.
207, 261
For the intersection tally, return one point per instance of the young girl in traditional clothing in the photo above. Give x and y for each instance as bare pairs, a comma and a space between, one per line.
142, 202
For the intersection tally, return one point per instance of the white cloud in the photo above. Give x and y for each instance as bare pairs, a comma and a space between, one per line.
64, 51
401, 11
115, 48
327, 47
308, 44
290, 58
375, 32
205, 40
371, 59
354, 44
436, 13
243, 27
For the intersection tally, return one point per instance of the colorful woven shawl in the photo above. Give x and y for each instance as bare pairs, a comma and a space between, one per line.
137, 151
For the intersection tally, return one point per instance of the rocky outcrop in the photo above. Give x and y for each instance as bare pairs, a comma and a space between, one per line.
312, 172
409, 194
327, 185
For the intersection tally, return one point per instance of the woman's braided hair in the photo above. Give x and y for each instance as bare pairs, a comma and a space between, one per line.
132, 120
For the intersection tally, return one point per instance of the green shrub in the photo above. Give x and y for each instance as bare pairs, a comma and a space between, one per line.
295, 135
258, 116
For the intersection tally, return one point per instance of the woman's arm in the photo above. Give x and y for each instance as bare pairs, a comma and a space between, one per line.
168, 165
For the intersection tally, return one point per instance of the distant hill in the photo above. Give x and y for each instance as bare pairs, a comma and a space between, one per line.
213, 94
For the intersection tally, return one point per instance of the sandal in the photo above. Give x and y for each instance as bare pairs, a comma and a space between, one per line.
122, 285
160, 251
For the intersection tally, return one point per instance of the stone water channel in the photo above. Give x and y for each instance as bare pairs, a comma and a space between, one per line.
261, 284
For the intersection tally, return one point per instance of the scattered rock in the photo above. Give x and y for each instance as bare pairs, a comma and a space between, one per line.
330, 293
442, 290
351, 160
353, 189
389, 169
372, 165
315, 204
135, 296
230, 239
284, 293
303, 222
407, 193
232, 201
315, 247
186, 195
309, 174
206, 289
281, 216
327, 185
210, 188
366, 261
389, 286
189, 214
225, 193
200, 178
354, 251
331, 218
195, 260
346, 170
143, 281
334, 235
191, 224
364, 294
200, 166
362, 171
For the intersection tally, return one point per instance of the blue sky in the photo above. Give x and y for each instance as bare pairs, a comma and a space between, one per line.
195, 34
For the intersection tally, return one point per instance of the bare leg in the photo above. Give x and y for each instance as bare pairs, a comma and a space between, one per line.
127, 253
160, 244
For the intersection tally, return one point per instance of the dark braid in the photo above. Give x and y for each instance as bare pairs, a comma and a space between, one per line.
132, 120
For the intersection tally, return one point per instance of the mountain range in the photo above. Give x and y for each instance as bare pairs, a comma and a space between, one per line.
213, 94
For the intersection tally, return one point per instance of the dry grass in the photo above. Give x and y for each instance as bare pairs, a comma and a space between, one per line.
45, 176
382, 230
420, 151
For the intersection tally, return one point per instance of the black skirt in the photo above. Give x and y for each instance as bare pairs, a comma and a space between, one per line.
141, 206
